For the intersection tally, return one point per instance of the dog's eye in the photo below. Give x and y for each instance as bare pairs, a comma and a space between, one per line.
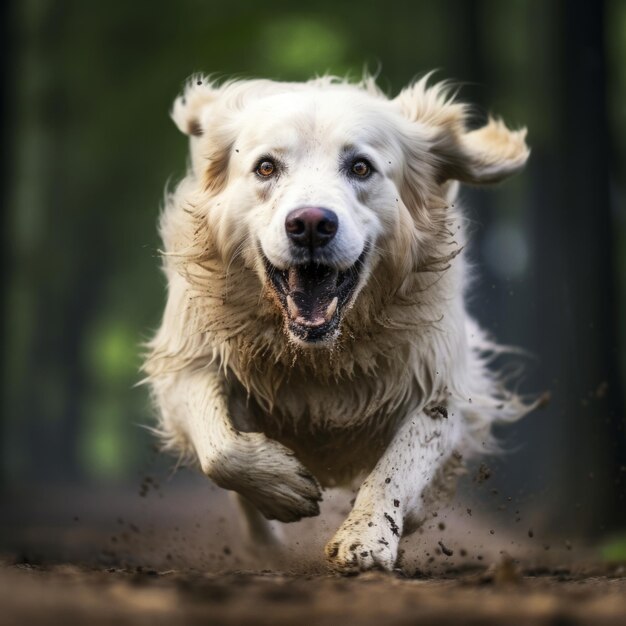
361, 168
266, 168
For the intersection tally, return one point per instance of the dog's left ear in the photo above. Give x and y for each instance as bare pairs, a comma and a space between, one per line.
482, 156
477, 157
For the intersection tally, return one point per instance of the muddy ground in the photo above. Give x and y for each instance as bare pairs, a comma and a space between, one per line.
174, 554
65, 594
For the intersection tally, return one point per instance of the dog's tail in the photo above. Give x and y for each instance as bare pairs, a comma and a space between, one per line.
492, 388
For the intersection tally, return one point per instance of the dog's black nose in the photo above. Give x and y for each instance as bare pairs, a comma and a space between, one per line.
311, 227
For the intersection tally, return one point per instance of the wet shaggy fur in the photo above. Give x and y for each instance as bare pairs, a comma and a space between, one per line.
403, 393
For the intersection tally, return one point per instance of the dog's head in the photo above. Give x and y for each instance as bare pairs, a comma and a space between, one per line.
312, 184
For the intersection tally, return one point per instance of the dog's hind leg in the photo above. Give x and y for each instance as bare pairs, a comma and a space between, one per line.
257, 530
262, 539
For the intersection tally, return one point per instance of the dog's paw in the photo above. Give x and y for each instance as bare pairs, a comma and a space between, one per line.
365, 542
270, 476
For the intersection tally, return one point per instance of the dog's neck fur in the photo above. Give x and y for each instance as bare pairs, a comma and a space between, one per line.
389, 346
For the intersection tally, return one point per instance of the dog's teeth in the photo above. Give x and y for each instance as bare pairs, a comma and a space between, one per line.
292, 308
332, 307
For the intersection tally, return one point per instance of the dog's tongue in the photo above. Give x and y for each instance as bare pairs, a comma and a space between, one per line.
311, 300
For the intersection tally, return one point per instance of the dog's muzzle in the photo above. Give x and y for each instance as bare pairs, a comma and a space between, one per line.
312, 293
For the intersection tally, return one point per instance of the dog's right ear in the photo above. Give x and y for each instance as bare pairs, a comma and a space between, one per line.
189, 108
477, 157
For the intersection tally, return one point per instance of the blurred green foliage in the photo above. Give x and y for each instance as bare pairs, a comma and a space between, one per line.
93, 148
614, 551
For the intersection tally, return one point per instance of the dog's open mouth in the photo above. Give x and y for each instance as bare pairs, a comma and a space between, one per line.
313, 296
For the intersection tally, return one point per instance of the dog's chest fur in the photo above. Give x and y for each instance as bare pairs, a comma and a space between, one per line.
317, 416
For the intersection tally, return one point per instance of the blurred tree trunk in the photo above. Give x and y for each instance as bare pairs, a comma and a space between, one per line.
578, 317
6, 144
51, 394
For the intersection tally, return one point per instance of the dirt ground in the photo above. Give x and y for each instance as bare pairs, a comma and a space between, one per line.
65, 594
174, 554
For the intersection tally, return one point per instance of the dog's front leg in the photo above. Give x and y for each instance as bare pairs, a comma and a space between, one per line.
390, 498
262, 470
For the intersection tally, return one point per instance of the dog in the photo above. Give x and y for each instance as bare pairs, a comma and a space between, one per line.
315, 332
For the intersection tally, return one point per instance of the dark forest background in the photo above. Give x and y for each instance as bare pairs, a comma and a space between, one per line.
87, 147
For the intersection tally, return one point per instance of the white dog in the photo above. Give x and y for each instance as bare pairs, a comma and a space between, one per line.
315, 332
